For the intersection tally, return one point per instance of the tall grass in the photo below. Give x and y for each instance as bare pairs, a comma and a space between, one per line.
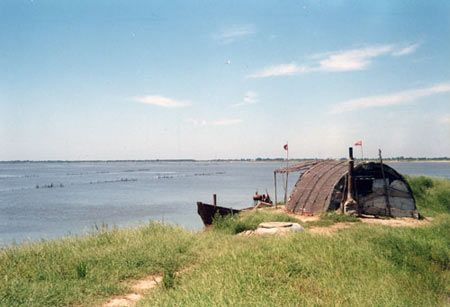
363, 266
84, 270
432, 195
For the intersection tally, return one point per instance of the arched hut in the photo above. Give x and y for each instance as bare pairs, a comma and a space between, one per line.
323, 186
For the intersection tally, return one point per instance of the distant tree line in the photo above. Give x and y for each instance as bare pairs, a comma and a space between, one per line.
258, 159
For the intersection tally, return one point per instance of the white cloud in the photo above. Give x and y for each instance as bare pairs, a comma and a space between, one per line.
218, 122
279, 70
234, 33
162, 101
406, 50
354, 59
249, 98
403, 97
337, 61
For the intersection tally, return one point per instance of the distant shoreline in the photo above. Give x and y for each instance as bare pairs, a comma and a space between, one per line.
395, 160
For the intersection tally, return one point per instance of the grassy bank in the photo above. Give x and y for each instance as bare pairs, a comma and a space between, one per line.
88, 269
363, 265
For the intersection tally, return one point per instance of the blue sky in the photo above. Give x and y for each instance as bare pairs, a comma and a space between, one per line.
230, 79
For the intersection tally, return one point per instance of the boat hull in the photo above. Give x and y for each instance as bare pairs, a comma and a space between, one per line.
207, 212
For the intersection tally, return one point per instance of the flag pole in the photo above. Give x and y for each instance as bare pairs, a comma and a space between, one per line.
287, 173
362, 153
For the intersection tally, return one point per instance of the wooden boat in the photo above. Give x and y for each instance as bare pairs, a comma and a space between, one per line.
207, 212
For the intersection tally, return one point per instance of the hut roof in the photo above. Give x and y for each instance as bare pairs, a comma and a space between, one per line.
313, 190
298, 167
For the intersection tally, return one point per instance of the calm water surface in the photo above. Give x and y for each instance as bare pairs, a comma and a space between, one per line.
49, 200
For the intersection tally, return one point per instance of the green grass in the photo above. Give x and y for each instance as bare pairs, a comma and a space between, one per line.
84, 270
233, 224
432, 195
365, 265
370, 265
330, 218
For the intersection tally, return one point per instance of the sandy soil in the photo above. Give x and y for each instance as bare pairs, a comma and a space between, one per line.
398, 222
302, 218
329, 230
139, 288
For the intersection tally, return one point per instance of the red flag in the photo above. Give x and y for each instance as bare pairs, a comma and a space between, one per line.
358, 143
285, 147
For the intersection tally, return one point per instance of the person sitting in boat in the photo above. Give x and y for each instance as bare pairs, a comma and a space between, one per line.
268, 200
263, 198
256, 198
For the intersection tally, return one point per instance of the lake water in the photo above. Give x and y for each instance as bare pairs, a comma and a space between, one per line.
48, 200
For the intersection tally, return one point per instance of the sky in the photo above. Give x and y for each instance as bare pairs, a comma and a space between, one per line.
84, 80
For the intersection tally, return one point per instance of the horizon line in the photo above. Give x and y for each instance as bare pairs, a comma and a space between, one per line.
258, 159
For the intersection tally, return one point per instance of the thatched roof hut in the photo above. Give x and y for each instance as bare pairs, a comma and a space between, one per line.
323, 186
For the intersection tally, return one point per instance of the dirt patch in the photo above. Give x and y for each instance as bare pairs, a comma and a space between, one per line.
397, 222
302, 218
139, 287
329, 230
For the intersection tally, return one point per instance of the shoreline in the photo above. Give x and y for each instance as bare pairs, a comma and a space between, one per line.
250, 160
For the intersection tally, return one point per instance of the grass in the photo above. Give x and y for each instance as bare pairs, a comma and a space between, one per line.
330, 218
363, 265
233, 224
432, 195
87, 269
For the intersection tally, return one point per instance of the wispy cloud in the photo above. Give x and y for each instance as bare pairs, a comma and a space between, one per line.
407, 50
218, 122
354, 59
234, 33
403, 97
249, 98
161, 101
337, 61
279, 70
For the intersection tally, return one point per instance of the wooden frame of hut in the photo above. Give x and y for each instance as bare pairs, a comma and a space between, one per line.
376, 189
